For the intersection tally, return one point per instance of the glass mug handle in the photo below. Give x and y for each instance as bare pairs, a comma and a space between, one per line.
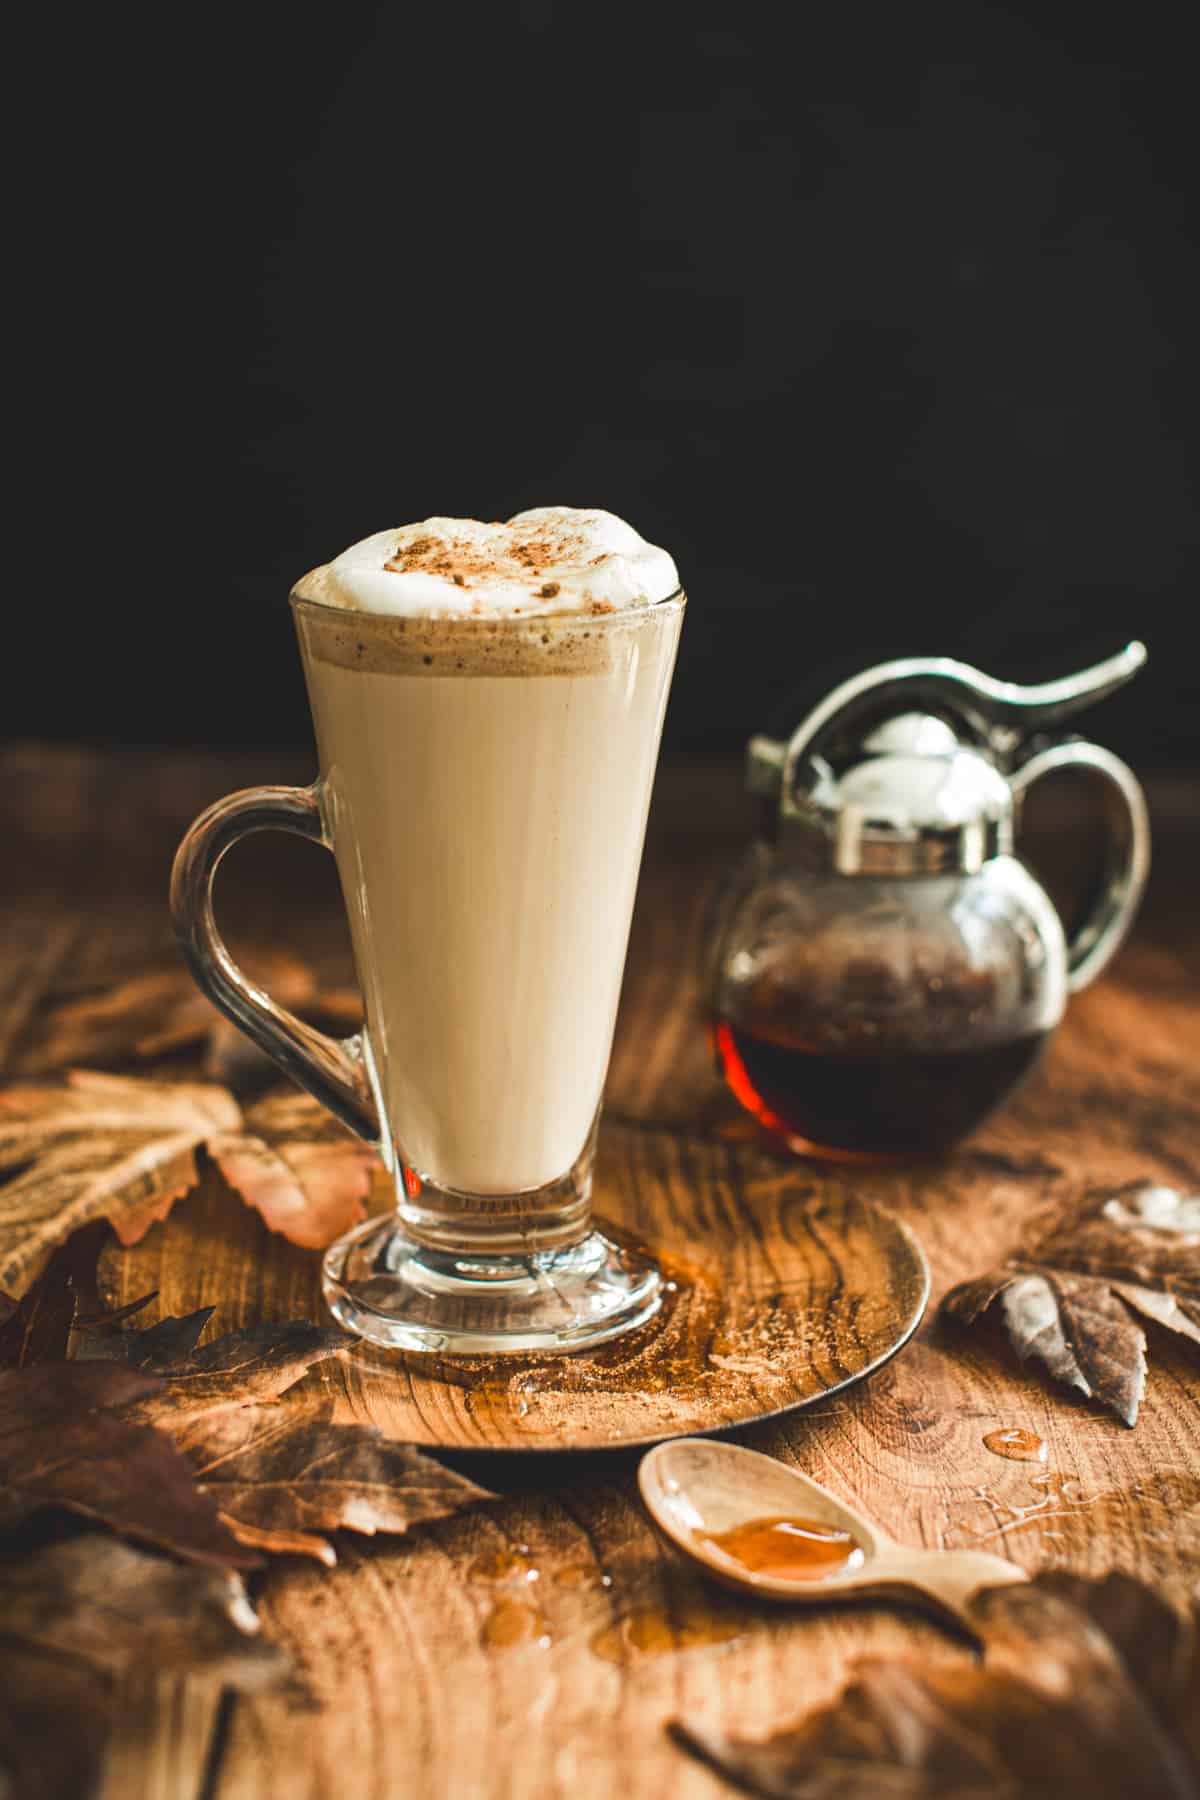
1127, 865
331, 1069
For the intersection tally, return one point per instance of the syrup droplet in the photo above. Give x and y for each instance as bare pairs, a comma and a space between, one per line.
503, 1565
512, 1622
1016, 1443
581, 1575
652, 1632
795, 1549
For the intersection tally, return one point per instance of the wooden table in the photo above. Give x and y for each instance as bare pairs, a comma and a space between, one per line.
414, 1692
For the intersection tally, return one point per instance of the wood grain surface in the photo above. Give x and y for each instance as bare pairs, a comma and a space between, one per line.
537, 1646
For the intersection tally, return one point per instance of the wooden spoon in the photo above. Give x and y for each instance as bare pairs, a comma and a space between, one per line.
743, 1516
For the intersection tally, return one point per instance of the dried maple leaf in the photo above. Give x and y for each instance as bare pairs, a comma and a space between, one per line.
110, 1603
75, 1618
309, 1182
1144, 1240
64, 1444
81, 1435
157, 1347
1063, 1703
282, 1476
124, 1148
104, 1322
243, 1368
39, 1325
98, 1146
156, 1009
1070, 1300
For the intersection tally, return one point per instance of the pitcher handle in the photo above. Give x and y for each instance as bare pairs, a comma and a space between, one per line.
331, 1069
1127, 864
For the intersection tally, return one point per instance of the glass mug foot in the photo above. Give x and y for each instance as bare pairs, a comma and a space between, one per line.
384, 1286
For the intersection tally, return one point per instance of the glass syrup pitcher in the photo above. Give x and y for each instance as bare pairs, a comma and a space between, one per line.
883, 969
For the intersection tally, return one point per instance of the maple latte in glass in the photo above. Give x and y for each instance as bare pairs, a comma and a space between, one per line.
488, 703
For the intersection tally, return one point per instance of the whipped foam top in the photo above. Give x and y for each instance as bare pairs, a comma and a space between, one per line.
553, 559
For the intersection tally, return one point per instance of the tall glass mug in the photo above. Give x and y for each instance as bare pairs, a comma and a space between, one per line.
484, 788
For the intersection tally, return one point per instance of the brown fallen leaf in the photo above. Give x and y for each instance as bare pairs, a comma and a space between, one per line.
155, 1009
82, 1435
1070, 1300
38, 1327
113, 1321
282, 1477
108, 1603
97, 1146
124, 1148
252, 1365
1157, 1640
1061, 1704
1145, 1241
155, 1348
102, 1435
75, 1619
243, 1368
309, 1182
64, 1444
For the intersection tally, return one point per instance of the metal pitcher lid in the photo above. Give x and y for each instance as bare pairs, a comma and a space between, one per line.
875, 782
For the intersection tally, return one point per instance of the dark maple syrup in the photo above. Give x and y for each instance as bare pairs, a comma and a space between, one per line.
793, 1549
890, 1101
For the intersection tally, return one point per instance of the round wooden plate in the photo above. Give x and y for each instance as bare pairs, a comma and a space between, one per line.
783, 1293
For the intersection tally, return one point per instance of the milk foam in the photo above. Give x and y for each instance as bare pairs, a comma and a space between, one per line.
551, 560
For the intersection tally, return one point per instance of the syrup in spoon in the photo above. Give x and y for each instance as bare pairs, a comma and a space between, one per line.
755, 1524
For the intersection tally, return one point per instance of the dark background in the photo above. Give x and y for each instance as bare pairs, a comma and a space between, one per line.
881, 317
